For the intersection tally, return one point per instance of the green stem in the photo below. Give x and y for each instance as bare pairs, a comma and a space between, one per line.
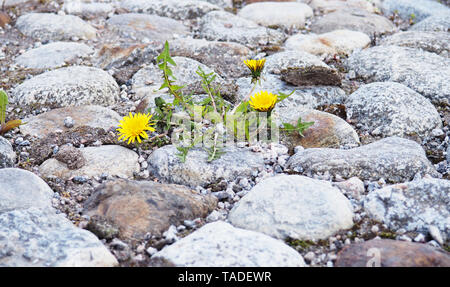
246, 98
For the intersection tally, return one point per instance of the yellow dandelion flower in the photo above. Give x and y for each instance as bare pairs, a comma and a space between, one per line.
134, 127
256, 67
263, 101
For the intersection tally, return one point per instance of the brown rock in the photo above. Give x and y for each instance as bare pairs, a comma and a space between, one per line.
327, 131
311, 76
124, 59
140, 207
391, 253
4, 19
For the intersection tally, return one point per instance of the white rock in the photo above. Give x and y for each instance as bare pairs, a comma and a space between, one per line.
293, 206
52, 27
53, 55
331, 43
15, 183
219, 244
69, 86
284, 14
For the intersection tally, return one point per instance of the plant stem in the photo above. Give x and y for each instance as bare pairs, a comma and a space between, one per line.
246, 98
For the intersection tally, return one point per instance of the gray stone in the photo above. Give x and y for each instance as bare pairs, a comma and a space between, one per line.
224, 26
219, 244
175, 9
433, 24
424, 72
69, 86
293, 206
301, 69
355, 20
413, 206
40, 238
113, 160
148, 79
52, 27
393, 159
277, 14
306, 97
91, 116
387, 109
53, 55
435, 42
7, 154
226, 58
164, 164
338, 42
21, 189
138, 27
419, 8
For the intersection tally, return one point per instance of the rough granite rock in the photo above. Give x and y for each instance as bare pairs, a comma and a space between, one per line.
301, 69
139, 207
340, 42
433, 23
51, 121
355, 20
393, 159
271, 14
427, 74
226, 58
224, 26
113, 160
141, 27
435, 42
387, 109
164, 164
413, 206
7, 154
53, 55
40, 238
219, 244
52, 27
391, 253
328, 130
293, 206
147, 80
419, 8
21, 189
175, 9
69, 86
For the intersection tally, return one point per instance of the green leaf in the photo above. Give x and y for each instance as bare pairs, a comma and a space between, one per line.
3, 104
282, 96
